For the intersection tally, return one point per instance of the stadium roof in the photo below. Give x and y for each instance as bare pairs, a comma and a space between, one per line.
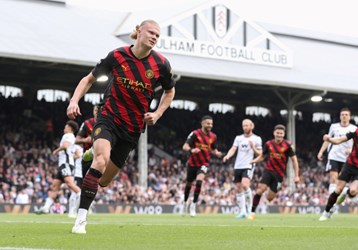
51, 45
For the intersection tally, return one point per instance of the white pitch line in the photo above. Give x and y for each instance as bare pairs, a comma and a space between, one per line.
184, 225
22, 248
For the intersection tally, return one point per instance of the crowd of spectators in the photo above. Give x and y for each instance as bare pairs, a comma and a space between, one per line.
29, 133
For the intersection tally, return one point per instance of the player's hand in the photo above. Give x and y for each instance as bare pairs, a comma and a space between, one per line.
195, 150
151, 118
73, 110
219, 154
251, 144
348, 151
297, 179
225, 159
320, 156
326, 138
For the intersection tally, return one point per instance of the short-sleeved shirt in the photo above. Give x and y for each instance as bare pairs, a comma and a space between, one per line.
66, 156
78, 161
206, 143
338, 152
131, 85
278, 154
245, 153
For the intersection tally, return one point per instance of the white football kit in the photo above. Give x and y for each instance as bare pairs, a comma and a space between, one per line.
66, 156
78, 161
245, 154
339, 152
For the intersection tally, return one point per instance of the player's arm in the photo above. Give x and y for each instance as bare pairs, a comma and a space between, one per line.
217, 153
257, 151
187, 147
259, 158
325, 144
295, 168
83, 140
322, 150
335, 140
151, 118
83, 86
64, 146
262, 154
81, 137
230, 153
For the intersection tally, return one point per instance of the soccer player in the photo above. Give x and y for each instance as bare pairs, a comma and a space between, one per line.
73, 201
349, 173
337, 154
134, 72
65, 167
248, 145
277, 151
201, 143
84, 137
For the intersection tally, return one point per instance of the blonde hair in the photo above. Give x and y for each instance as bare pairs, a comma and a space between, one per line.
251, 123
134, 34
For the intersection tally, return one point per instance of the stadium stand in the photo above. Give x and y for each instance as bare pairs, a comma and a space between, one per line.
27, 166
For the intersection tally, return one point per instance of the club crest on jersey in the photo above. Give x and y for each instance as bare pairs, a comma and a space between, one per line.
97, 131
149, 74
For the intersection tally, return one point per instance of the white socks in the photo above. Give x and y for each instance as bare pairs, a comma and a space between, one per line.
81, 215
331, 188
241, 202
73, 203
248, 197
344, 192
49, 201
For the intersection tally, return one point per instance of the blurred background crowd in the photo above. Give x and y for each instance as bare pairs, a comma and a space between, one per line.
28, 135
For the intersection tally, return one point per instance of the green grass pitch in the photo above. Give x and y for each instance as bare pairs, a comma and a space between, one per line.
109, 231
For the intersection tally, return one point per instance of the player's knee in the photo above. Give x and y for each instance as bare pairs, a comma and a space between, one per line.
55, 188
351, 193
103, 183
270, 198
100, 161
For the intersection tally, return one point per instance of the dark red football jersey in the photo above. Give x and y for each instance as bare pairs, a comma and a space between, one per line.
278, 154
131, 85
206, 143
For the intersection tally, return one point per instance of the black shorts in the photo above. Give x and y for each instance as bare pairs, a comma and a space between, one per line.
63, 171
333, 165
240, 173
122, 142
193, 171
272, 180
78, 181
348, 173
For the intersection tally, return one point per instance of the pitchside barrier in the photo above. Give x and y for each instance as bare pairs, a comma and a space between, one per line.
175, 209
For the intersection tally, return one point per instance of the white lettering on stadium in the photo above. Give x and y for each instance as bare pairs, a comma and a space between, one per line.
224, 52
148, 209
